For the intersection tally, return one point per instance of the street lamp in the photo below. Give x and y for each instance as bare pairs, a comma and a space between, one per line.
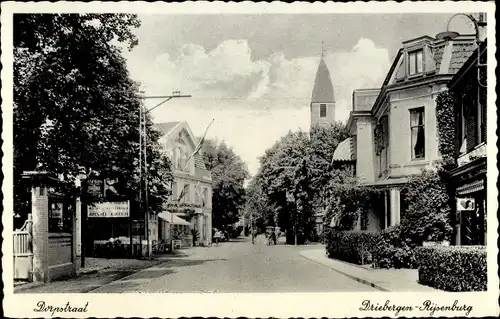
142, 130
478, 23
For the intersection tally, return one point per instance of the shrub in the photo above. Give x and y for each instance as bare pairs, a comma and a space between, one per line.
356, 247
393, 251
427, 217
453, 268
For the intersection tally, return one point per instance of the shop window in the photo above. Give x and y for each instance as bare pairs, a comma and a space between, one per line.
417, 128
322, 110
415, 61
60, 217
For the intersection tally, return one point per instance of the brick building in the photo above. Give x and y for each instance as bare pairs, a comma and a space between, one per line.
468, 179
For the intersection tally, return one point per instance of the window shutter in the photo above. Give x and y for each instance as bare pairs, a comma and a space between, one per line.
471, 120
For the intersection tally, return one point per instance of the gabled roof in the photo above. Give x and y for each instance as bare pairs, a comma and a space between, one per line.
171, 129
323, 88
166, 127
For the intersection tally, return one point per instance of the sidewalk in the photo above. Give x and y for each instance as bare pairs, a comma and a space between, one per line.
97, 273
400, 280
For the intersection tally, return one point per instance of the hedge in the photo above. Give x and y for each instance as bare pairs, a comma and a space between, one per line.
393, 251
453, 268
356, 247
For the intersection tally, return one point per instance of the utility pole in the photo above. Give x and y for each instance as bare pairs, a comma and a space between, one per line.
143, 130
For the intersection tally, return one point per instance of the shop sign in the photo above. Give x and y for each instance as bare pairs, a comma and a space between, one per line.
473, 155
466, 204
94, 187
110, 209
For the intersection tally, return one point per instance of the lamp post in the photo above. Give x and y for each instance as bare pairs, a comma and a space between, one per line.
478, 24
143, 140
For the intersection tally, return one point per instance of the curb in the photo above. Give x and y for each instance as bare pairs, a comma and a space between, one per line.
28, 286
358, 279
125, 278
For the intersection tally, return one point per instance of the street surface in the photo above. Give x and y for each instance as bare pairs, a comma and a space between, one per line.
237, 266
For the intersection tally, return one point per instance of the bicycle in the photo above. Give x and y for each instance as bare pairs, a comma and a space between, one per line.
160, 246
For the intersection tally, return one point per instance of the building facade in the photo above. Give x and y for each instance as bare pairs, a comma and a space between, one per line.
394, 128
192, 182
468, 179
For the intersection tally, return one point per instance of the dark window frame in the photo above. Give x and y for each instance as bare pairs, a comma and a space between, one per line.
420, 133
417, 64
322, 110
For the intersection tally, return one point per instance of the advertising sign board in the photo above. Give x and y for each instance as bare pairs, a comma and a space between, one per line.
110, 209
466, 204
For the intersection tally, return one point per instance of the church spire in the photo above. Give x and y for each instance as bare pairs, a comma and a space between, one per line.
322, 99
323, 88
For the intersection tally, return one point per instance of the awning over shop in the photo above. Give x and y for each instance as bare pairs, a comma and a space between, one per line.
471, 188
173, 219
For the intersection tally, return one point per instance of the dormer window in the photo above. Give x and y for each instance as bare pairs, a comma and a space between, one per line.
322, 110
415, 62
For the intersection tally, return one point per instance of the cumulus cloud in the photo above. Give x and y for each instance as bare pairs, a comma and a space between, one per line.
254, 102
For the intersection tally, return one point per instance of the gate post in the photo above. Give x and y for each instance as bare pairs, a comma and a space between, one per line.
40, 223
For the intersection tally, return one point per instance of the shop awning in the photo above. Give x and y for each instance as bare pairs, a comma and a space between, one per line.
173, 219
470, 188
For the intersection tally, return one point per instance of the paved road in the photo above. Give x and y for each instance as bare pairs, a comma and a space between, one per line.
237, 266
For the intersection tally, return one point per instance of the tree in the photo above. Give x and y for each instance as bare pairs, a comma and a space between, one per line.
229, 173
286, 184
323, 142
76, 110
257, 206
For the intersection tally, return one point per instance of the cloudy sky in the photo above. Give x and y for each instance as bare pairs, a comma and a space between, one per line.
254, 73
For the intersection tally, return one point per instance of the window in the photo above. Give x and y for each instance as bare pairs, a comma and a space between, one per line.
417, 128
174, 191
462, 134
187, 195
415, 59
481, 123
177, 158
205, 197
322, 110
382, 140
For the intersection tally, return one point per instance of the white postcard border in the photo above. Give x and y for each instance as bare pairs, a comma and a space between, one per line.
250, 305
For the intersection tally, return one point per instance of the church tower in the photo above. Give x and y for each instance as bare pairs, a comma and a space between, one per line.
323, 100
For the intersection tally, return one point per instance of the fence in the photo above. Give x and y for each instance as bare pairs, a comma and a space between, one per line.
23, 251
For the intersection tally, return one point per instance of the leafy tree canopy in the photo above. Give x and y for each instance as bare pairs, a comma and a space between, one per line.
229, 173
76, 110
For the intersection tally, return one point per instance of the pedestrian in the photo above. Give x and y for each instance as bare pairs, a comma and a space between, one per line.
273, 237
218, 236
